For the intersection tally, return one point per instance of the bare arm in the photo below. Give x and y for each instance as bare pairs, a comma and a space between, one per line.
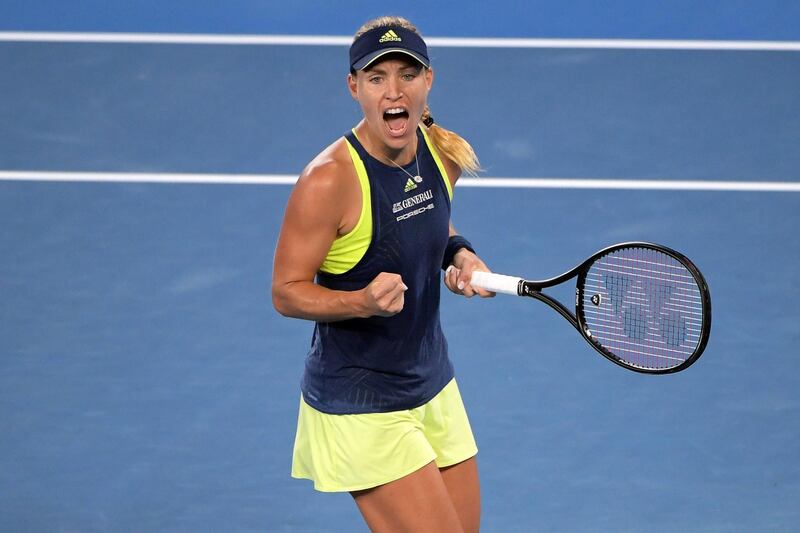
316, 213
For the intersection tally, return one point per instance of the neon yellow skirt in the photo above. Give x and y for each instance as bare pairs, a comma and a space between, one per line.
343, 453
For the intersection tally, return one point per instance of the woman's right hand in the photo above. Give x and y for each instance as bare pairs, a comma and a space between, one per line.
384, 296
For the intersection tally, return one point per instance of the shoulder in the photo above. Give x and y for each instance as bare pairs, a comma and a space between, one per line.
328, 193
329, 173
453, 170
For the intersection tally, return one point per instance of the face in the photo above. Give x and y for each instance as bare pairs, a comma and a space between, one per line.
392, 94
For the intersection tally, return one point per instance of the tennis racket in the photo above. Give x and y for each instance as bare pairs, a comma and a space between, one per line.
643, 306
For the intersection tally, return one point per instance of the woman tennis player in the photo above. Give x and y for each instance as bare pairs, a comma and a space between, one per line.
366, 232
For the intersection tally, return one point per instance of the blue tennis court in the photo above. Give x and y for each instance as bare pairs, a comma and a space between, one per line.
147, 384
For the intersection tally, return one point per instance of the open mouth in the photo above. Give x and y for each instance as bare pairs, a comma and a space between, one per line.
396, 119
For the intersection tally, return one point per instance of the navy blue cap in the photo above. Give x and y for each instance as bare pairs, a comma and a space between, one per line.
377, 42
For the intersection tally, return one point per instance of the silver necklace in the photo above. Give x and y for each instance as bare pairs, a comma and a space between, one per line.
416, 178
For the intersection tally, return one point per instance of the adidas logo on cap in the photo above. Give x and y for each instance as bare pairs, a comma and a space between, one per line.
390, 36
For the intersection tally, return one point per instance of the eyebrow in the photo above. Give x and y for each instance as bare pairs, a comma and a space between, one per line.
379, 70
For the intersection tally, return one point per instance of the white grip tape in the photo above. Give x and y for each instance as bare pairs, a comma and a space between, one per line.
495, 282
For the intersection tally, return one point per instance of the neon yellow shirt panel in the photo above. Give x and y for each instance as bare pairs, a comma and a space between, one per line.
347, 250
439, 164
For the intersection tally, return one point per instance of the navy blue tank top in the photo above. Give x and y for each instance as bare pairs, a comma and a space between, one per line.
381, 364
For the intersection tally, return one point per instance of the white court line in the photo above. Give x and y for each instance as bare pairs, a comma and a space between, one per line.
662, 185
445, 42
501, 183
147, 177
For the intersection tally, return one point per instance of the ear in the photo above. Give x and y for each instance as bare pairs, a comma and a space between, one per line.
429, 77
352, 85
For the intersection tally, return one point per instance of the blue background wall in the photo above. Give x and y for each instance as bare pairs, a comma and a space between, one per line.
648, 19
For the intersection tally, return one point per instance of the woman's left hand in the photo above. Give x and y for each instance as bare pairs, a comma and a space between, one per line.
458, 275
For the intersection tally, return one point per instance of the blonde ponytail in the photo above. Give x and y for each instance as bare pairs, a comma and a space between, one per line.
451, 145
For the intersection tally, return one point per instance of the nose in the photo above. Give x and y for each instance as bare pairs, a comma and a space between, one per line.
393, 89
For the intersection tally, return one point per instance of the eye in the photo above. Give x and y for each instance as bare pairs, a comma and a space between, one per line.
409, 77
375, 79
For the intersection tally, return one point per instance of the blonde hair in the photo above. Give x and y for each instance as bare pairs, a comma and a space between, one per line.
446, 142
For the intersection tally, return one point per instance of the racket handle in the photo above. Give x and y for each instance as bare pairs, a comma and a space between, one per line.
495, 282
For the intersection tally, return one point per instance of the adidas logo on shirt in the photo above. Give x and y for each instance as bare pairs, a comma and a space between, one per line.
389, 36
410, 185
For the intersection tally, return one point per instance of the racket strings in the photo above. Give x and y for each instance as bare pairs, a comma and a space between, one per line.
644, 307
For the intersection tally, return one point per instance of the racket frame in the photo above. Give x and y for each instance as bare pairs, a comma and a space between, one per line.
533, 289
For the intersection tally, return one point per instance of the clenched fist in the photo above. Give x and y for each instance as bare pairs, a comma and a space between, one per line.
384, 294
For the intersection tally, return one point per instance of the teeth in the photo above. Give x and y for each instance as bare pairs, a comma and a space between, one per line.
395, 111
